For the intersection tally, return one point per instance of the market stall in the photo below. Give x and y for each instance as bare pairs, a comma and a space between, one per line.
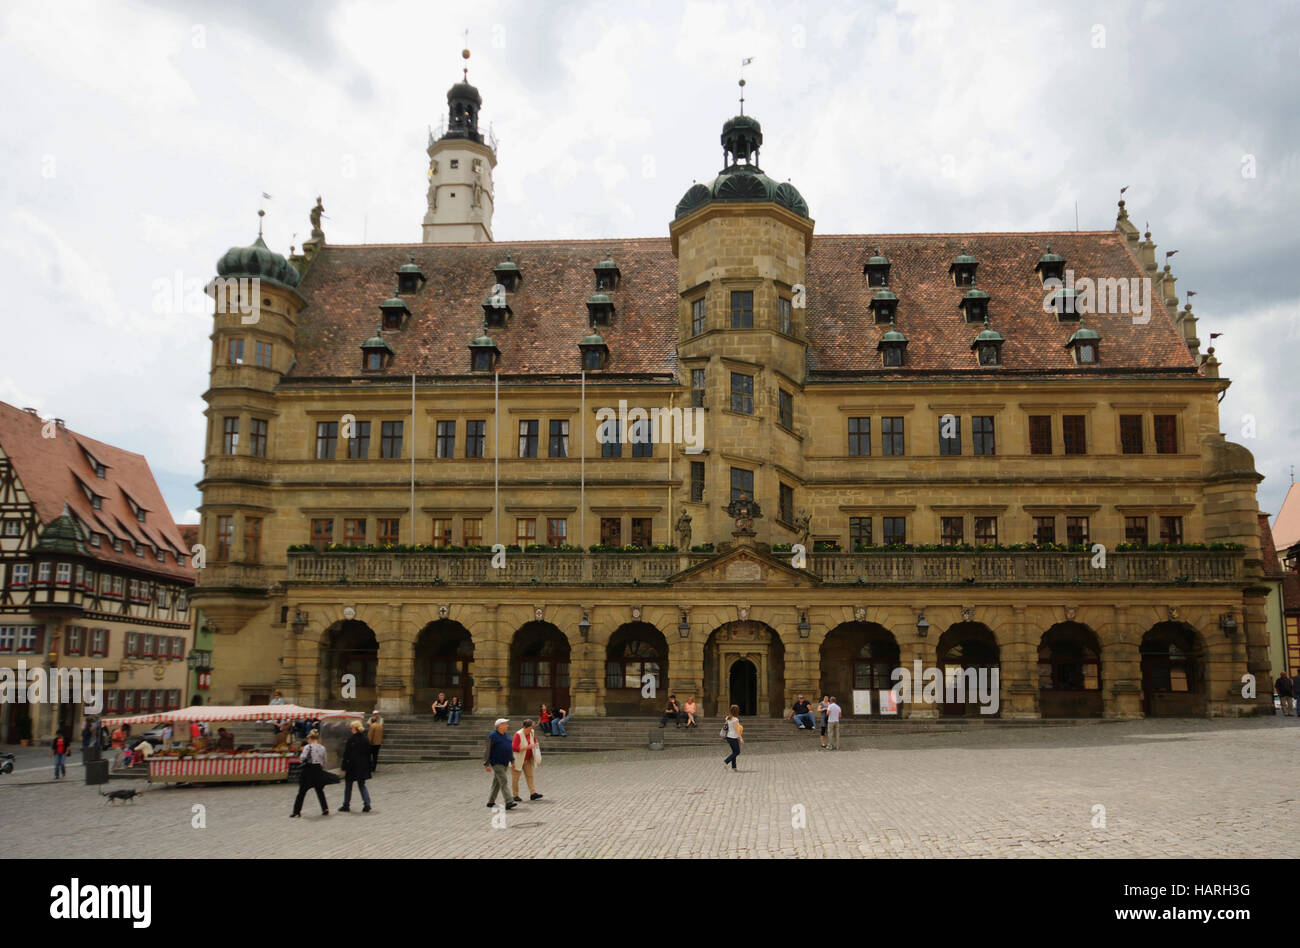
201, 761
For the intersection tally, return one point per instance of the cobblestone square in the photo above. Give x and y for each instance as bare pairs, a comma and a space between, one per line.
1214, 788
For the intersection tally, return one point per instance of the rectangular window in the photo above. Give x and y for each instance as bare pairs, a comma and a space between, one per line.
118, 586
12, 528
1040, 434
641, 531
128, 700
697, 388
263, 352
472, 531
442, 527
640, 434
742, 482
1044, 530
76, 640
257, 428
252, 539
894, 529
982, 439
475, 438
445, 446
390, 439
1074, 431
354, 531
525, 531
7, 637
229, 435
742, 309
322, 532
528, 439
235, 352
891, 436
99, 642
147, 645
559, 439
42, 574
859, 532
949, 435
557, 531
952, 530
697, 481
1166, 428
327, 439
225, 538
785, 503
611, 445
986, 531
785, 409
611, 531
1171, 529
1076, 531
698, 312
859, 437
359, 443
386, 531
783, 315
742, 393
63, 575
1130, 434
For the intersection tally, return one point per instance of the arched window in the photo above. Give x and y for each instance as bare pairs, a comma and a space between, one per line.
625, 667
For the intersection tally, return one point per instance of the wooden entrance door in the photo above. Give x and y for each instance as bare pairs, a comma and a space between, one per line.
744, 687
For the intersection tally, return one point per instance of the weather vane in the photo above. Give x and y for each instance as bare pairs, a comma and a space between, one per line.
743, 64
464, 53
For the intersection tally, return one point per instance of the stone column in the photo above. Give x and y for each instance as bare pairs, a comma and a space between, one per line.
491, 666
911, 650
586, 668
396, 666
1018, 658
1121, 667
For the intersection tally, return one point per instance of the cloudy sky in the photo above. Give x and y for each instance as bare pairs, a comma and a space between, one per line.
138, 138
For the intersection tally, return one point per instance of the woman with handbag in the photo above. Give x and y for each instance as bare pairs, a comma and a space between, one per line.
312, 775
356, 767
732, 731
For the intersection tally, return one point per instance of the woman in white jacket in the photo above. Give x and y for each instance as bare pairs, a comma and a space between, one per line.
528, 755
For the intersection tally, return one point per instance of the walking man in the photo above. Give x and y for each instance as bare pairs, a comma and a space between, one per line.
527, 756
833, 712
498, 756
59, 751
376, 737
1285, 686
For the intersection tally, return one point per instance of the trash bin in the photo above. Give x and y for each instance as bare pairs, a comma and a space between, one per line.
91, 753
96, 772
656, 739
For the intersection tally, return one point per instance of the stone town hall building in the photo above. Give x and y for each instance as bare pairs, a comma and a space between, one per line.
953, 444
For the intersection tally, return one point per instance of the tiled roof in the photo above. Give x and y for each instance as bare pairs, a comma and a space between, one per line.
1291, 592
52, 471
1286, 528
345, 285
1272, 566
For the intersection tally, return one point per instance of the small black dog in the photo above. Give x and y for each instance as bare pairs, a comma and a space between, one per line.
117, 795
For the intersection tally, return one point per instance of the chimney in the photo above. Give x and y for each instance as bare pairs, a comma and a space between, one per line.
32, 411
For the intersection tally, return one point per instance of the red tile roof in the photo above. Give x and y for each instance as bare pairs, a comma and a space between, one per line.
52, 472
345, 285
1286, 528
1272, 566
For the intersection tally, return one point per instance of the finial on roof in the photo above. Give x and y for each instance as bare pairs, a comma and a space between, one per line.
260, 214
464, 54
743, 64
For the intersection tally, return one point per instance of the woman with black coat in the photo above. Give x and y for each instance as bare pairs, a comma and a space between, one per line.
312, 775
356, 766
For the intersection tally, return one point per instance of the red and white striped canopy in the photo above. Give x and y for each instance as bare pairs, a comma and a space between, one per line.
246, 712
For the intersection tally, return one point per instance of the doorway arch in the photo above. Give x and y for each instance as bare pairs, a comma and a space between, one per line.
761, 646
444, 660
349, 648
539, 669
968, 652
635, 650
1173, 671
858, 656
743, 687
1069, 672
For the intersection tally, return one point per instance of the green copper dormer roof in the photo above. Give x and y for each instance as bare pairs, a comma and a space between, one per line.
892, 337
506, 266
62, 535
394, 302
1083, 334
483, 342
592, 340
988, 335
258, 261
1050, 257
599, 298
377, 342
975, 293
963, 258
410, 267
878, 260
607, 264
885, 295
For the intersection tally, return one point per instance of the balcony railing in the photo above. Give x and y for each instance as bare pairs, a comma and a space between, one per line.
914, 568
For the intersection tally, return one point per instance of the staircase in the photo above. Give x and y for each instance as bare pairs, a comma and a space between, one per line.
415, 738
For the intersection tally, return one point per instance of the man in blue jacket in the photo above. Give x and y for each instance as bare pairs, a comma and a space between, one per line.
498, 756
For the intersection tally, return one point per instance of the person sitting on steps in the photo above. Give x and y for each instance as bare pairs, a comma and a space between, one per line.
690, 713
674, 711
440, 707
454, 711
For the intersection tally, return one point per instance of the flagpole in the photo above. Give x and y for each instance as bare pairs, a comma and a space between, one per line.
496, 452
412, 458
582, 465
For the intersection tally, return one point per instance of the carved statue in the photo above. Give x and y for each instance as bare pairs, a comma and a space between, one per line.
684, 531
745, 511
316, 213
478, 193
803, 523
432, 196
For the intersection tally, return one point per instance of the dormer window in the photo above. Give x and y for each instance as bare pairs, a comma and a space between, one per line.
395, 313
483, 354
409, 277
885, 305
600, 309
1050, 266
607, 275
496, 311
975, 305
877, 269
376, 354
892, 346
508, 274
1064, 302
988, 346
1086, 345
595, 354
140, 514
963, 268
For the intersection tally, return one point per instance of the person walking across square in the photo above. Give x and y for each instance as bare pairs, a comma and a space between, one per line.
375, 737
733, 730
498, 756
527, 756
833, 712
356, 767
